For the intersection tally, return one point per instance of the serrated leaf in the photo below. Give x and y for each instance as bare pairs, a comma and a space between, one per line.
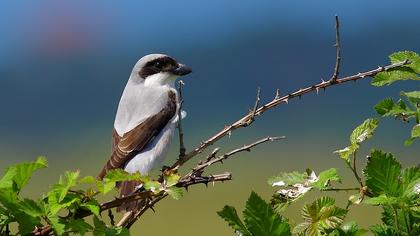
260, 218
57, 224
285, 179
78, 226
387, 107
30, 207
364, 131
382, 200
382, 230
393, 75
17, 176
361, 133
92, 206
153, 186
407, 55
413, 96
117, 175
171, 179
411, 182
322, 215
325, 177
229, 214
175, 192
64, 184
382, 172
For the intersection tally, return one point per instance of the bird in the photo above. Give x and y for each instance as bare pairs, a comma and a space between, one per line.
146, 119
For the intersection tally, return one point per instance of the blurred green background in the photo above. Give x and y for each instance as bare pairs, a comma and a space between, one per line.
63, 67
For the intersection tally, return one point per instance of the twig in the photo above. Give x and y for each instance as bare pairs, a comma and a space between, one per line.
210, 156
127, 222
200, 167
182, 149
111, 217
354, 169
338, 51
256, 105
277, 101
340, 189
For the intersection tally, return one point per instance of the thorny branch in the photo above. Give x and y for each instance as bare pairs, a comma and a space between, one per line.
194, 177
250, 118
208, 162
277, 101
338, 50
182, 149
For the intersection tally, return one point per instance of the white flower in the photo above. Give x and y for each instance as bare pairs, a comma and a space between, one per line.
279, 183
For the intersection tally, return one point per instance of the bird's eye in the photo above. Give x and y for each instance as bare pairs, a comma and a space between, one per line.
158, 64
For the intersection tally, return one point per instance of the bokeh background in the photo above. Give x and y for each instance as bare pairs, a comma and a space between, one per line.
63, 67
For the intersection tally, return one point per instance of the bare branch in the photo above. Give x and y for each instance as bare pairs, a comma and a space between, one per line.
257, 103
277, 101
182, 149
200, 167
338, 51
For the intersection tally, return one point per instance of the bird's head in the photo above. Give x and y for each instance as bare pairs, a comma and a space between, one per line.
158, 69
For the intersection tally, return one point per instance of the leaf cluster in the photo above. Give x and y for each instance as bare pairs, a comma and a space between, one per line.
67, 201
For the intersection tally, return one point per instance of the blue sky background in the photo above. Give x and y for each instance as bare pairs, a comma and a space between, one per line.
63, 67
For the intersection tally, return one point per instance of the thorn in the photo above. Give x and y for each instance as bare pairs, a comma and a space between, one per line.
229, 134
213, 184
181, 82
322, 81
286, 100
277, 94
381, 68
317, 90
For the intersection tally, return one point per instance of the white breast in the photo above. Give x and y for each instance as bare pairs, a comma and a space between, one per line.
154, 153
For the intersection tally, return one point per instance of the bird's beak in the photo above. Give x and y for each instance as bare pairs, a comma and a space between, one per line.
182, 70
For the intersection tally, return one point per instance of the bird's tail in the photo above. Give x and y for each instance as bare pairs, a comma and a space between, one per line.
127, 188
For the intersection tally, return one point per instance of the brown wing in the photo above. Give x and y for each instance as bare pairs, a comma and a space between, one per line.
126, 147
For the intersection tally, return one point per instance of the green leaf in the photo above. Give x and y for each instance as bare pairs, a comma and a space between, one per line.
349, 229
382, 200
171, 179
325, 177
229, 214
387, 107
382, 230
92, 206
415, 132
407, 55
17, 176
359, 134
153, 186
57, 224
393, 75
321, 216
413, 96
64, 185
260, 218
30, 207
117, 175
285, 179
79, 226
411, 182
364, 131
382, 172
175, 192
102, 230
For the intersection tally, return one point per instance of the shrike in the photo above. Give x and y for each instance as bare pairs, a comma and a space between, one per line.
146, 118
